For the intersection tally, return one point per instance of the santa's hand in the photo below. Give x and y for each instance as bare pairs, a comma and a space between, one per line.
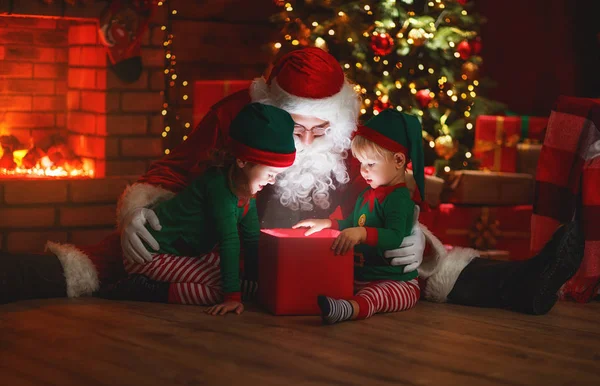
133, 231
315, 225
411, 250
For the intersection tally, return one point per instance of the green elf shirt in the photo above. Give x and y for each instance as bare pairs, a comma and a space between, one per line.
387, 215
204, 215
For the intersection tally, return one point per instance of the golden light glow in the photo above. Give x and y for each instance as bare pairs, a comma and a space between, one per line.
164, 112
349, 40
187, 125
277, 45
367, 101
469, 126
375, 112
346, 66
451, 44
315, 24
185, 137
446, 169
295, 42
363, 111
399, 108
431, 144
164, 134
174, 12
185, 97
367, 8
358, 65
467, 114
331, 32
456, 55
398, 84
468, 155
319, 42
386, 73
167, 151
185, 83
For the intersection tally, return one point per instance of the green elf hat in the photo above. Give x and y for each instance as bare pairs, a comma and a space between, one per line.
263, 135
399, 133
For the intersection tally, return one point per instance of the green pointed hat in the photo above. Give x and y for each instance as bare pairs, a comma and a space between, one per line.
264, 135
399, 133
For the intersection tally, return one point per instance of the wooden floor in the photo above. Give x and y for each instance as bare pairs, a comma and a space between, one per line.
97, 342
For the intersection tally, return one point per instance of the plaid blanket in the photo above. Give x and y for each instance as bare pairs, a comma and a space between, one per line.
568, 175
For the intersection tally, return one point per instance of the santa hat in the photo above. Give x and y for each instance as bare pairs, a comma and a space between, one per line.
310, 82
263, 135
398, 133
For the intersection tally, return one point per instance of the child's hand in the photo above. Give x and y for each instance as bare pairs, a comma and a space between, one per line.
315, 225
225, 307
348, 238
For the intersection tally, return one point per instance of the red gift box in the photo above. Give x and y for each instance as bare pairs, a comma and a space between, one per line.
294, 269
209, 92
496, 139
504, 228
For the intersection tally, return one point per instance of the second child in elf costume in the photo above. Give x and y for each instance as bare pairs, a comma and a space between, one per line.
382, 218
199, 256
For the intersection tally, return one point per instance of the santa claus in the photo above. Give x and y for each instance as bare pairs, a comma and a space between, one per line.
310, 84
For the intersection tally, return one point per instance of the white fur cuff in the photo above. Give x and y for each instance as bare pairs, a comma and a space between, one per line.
441, 282
80, 274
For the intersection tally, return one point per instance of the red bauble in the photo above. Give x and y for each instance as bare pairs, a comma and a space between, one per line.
464, 49
379, 106
476, 45
382, 44
423, 97
462, 2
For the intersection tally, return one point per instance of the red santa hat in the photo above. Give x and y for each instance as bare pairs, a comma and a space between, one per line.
311, 82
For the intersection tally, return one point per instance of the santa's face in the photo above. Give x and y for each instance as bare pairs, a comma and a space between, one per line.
307, 128
259, 176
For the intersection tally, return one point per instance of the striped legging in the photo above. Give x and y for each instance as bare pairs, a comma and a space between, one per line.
194, 280
385, 296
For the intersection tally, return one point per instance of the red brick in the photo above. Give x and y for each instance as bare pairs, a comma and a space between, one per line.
16, 103
50, 71
112, 148
75, 54
28, 86
158, 37
94, 101
61, 120
16, 70
146, 37
45, 54
125, 168
105, 190
61, 55
89, 237
113, 102
34, 242
29, 53
98, 166
157, 124
88, 146
87, 215
2, 52
35, 191
79, 122
49, 103
82, 78
50, 38
83, 34
27, 217
101, 80
32, 22
142, 101
114, 83
92, 56
153, 57
142, 147
73, 99
125, 125
157, 80
22, 119
61, 87
15, 36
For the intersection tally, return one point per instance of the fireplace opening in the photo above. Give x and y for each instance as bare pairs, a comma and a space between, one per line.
52, 98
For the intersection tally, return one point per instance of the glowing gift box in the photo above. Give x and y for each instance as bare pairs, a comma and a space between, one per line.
294, 269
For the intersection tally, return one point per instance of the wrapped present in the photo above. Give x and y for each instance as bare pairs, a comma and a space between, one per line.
433, 188
294, 269
209, 92
528, 156
485, 228
478, 187
496, 139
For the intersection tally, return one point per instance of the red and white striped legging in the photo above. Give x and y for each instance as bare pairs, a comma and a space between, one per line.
385, 296
194, 280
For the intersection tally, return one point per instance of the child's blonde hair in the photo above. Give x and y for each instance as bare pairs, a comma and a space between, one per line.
364, 148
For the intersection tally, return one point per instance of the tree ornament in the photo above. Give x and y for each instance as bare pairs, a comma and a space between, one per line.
471, 70
423, 97
462, 2
418, 36
476, 45
381, 104
446, 146
382, 44
485, 231
464, 49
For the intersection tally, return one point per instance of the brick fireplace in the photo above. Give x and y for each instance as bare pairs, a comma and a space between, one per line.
55, 82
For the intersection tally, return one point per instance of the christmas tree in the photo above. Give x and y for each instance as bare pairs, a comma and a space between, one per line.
420, 57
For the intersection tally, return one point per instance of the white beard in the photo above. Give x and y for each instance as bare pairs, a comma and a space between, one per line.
316, 169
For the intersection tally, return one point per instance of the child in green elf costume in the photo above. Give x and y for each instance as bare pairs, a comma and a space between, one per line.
382, 217
199, 253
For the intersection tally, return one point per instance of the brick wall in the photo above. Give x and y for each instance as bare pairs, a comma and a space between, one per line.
54, 78
64, 210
